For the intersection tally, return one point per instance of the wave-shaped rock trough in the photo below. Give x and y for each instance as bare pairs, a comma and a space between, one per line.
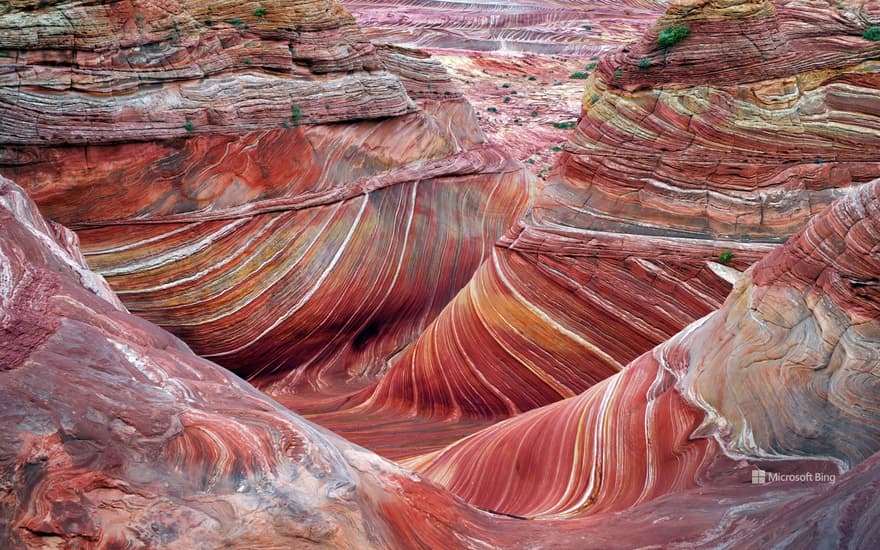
341, 250
270, 239
174, 451
659, 187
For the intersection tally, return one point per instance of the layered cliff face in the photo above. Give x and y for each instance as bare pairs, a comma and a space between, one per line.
786, 371
749, 125
664, 193
199, 150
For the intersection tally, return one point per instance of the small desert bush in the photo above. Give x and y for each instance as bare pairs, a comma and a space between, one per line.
670, 36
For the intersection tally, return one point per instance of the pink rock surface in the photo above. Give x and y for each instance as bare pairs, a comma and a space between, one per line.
114, 433
345, 264
622, 247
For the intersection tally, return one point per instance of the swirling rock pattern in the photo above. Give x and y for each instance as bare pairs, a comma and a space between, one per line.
308, 258
114, 433
797, 341
196, 154
621, 249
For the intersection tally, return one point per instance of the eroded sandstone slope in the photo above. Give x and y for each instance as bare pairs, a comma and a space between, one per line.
256, 177
786, 370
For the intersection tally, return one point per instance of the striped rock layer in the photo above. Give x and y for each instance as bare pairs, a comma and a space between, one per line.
115, 434
556, 27
786, 371
661, 179
293, 201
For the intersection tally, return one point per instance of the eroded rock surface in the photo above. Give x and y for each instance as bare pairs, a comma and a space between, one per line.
259, 179
665, 192
114, 433
786, 370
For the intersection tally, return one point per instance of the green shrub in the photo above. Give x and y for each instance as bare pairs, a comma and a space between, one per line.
234, 21
725, 257
189, 126
588, 27
506, 85
209, 22
556, 148
872, 34
533, 78
618, 73
534, 113
579, 76
644, 63
492, 109
260, 12
670, 36
295, 114
507, 99
564, 125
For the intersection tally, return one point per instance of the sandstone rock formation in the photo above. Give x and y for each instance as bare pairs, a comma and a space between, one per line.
198, 150
114, 433
321, 215
532, 26
787, 369
663, 193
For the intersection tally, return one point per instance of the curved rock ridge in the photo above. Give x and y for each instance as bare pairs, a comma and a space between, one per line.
747, 127
658, 187
115, 434
786, 370
268, 241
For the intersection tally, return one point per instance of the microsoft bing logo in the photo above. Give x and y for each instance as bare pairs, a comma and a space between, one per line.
759, 477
